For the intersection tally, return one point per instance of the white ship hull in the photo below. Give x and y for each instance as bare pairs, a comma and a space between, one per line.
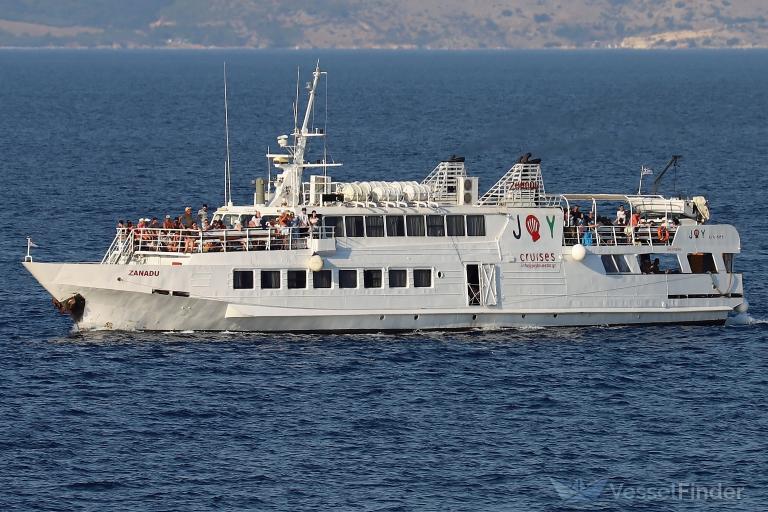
110, 307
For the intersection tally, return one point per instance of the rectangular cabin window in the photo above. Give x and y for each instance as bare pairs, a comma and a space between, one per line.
659, 264
621, 264
609, 264
728, 261
702, 263
435, 225
422, 277
242, 279
615, 264
475, 225
455, 225
415, 225
395, 225
322, 279
355, 225
297, 279
398, 278
270, 279
374, 225
337, 223
372, 278
347, 278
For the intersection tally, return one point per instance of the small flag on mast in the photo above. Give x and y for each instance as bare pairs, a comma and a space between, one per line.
646, 171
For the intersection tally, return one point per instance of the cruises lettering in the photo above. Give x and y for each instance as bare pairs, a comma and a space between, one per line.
536, 257
144, 273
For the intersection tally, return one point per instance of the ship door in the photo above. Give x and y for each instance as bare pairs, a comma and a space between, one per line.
481, 284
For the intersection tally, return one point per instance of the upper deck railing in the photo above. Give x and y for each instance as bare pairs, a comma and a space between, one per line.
647, 234
188, 241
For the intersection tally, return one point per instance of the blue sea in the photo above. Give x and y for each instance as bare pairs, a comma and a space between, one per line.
633, 418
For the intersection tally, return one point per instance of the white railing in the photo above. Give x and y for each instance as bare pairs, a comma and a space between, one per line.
618, 235
188, 241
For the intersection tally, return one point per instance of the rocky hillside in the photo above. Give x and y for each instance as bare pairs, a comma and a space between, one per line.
456, 24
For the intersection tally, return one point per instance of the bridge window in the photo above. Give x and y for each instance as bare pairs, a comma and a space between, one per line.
475, 225
270, 279
242, 280
355, 225
728, 261
395, 225
347, 278
337, 223
415, 225
398, 278
322, 279
455, 225
435, 225
372, 278
615, 264
297, 279
702, 263
667, 264
422, 278
374, 225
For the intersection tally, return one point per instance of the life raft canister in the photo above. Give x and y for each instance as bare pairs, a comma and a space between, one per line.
663, 233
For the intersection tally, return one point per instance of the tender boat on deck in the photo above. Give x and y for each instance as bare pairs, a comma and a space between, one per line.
409, 256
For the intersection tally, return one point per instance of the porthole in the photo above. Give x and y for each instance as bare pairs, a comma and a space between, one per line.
554, 316
523, 315
381, 317
415, 317
474, 317
440, 274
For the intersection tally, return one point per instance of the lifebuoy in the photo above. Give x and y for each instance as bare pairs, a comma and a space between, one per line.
663, 233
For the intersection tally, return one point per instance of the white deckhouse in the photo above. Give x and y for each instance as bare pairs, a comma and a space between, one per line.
380, 256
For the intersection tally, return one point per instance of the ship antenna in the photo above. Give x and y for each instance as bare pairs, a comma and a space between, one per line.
228, 166
296, 106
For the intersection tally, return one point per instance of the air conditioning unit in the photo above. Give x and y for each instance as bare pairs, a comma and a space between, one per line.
318, 185
467, 190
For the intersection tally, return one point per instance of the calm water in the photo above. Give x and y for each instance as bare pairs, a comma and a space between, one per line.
479, 421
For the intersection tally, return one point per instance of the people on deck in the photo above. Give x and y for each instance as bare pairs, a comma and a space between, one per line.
186, 219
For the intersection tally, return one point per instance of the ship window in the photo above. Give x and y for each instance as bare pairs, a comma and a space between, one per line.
435, 225
242, 279
415, 225
668, 264
702, 263
728, 261
615, 264
374, 225
297, 279
322, 279
270, 279
347, 278
395, 225
422, 278
372, 278
455, 225
609, 264
621, 263
475, 225
398, 278
337, 223
354, 225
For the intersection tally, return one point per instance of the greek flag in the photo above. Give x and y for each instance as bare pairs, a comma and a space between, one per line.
646, 171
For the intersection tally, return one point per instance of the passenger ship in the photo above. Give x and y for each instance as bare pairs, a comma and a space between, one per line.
407, 256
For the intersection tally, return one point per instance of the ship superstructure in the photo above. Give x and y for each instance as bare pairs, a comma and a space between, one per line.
312, 254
